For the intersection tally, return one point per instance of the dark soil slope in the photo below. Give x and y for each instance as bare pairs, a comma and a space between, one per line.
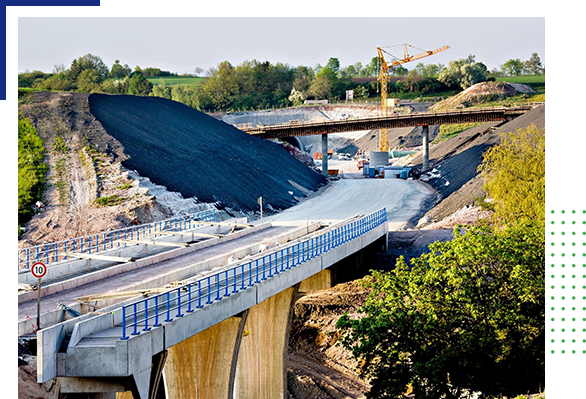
194, 154
455, 162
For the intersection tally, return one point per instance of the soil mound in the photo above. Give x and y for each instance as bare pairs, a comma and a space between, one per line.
198, 156
481, 93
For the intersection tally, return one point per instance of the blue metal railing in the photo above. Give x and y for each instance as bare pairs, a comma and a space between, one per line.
94, 243
146, 313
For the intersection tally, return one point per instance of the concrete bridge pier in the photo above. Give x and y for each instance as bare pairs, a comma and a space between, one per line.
204, 366
425, 133
324, 154
261, 372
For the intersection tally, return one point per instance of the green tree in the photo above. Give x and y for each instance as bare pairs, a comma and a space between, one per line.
466, 317
533, 65
162, 90
57, 82
139, 85
222, 86
89, 81
463, 73
469, 316
513, 67
399, 70
28, 78
323, 84
119, 71
334, 65
514, 175
372, 69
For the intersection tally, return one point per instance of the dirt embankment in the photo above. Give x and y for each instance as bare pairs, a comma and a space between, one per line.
84, 167
317, 366
121, 160
453, 168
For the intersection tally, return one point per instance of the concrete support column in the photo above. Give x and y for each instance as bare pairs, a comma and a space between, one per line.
320, 281
203, 366
261, 372
324, 154
425, 133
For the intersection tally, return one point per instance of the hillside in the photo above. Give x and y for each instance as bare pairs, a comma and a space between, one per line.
454, 163
128, 159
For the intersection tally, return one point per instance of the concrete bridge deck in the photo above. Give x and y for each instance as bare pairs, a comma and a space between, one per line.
222, 334
294, 129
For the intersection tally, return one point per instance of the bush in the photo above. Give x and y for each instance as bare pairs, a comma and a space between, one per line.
31, 169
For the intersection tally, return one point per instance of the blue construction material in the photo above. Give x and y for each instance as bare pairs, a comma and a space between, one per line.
371, 172
146, 313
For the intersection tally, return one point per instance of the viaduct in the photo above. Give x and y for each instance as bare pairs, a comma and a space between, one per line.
219, 326
424, 119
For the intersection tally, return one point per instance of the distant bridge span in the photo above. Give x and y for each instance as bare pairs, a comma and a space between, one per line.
284, 130
424, 119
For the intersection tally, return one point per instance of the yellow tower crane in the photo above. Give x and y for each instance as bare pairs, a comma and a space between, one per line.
384, 77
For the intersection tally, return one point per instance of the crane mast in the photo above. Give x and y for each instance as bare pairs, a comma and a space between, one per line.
384, 79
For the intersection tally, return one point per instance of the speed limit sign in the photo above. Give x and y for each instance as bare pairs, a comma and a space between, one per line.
38, 269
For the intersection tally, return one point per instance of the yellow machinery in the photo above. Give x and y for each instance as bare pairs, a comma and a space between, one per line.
384, 77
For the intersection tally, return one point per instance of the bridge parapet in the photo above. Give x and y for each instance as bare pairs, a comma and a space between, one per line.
59, 251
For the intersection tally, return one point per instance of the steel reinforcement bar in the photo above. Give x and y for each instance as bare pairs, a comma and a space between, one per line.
150, 312
57, 251
389, 122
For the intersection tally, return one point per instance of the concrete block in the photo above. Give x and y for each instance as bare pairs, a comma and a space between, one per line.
49, 339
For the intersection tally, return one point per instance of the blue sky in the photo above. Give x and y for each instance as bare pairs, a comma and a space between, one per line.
182, 44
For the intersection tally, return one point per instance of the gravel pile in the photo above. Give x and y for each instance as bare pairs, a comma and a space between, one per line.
198, 156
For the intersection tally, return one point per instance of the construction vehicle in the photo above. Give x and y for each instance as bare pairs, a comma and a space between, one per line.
383, 78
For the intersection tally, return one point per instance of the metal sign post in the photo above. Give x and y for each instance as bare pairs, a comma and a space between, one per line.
260, 203
38, 270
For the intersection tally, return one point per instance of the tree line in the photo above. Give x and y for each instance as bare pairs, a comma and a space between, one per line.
261, 84
466, 319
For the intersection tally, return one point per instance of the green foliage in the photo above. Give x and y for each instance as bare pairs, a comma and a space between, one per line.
119, 71
57, 82
466, 317
516, 67
452, 130
513, 67
514, 175
27, 79
110, 200
31, 169
469, 316
463, 73
139, 85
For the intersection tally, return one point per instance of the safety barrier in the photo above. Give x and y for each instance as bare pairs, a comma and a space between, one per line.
91, 244
147, 313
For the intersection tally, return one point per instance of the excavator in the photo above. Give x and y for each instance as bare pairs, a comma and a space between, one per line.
383, 78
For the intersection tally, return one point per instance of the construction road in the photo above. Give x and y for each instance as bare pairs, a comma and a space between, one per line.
355, 194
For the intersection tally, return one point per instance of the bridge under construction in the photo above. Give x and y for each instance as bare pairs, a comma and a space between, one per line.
424, 119
295, 128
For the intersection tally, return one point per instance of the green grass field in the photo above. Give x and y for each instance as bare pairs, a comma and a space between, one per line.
527, 80
174, 80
